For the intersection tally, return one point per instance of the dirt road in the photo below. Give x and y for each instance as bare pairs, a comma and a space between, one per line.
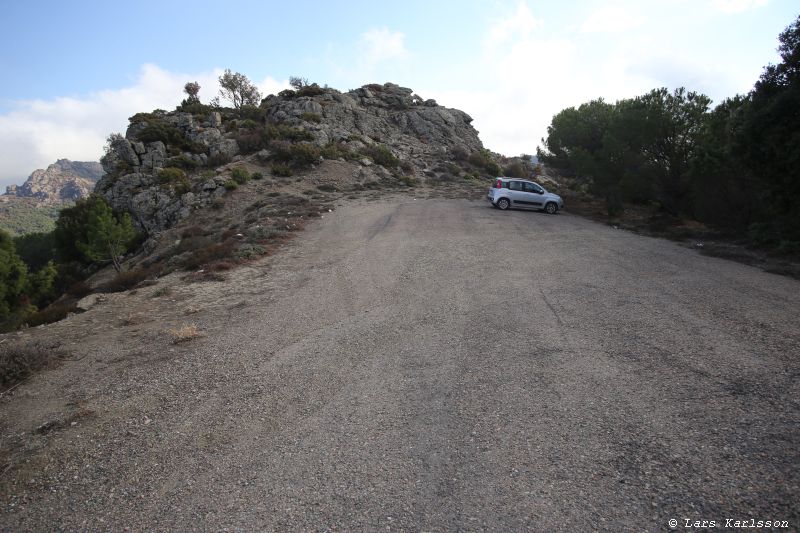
433, 365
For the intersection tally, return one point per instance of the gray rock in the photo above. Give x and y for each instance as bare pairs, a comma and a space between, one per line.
226, 147
208, 137
215, 119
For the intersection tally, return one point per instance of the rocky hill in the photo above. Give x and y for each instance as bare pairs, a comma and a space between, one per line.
170, 164
62, 182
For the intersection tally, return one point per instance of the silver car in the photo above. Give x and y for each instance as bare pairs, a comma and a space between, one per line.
512, 192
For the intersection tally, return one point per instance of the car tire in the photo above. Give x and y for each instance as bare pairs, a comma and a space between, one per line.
551, 208
503, 204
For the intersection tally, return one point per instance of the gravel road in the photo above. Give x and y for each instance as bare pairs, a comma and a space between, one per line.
438, 365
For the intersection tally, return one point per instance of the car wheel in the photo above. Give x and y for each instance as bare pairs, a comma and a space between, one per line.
503, 204
550, 208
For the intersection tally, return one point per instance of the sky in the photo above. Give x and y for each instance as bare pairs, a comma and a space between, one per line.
73, 72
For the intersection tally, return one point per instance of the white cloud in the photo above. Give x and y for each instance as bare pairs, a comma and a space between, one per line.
534, 74
737, 6
36, 133
518, 26
612, 19
379, 45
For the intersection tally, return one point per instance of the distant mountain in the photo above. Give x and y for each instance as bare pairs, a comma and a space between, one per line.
34, 205
62, 182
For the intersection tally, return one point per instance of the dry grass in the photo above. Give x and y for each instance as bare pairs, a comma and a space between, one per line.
184, 333
17, 362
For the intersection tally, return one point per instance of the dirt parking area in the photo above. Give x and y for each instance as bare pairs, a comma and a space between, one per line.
420, 364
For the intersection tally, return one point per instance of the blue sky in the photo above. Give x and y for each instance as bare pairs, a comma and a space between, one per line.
74, 71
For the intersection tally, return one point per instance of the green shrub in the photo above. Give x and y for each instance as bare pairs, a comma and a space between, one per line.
409, 181
311, 90
160, 130
251, 141
249, 251
249, 124
231, 185
257, 176
381, 155
311, 117
240, 175
483, 159
287, 93
183, 161
304, 155
280, 169
176, 179
218, 159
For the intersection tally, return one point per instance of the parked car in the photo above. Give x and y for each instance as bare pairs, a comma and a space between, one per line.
512, 192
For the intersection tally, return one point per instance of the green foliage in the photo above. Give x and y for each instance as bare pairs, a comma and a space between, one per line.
280, 169
41, 285
257, 176
381, 155
182, 161
736, 166
20, 216
336, 150
107, 238
304, 155
311, 117
13, 276
516, 170
231, 185
240, 175
176, 179
72, 227
158, 129
483, 159
238, 89
36, 249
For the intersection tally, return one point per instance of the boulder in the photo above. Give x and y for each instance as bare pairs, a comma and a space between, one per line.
224, 147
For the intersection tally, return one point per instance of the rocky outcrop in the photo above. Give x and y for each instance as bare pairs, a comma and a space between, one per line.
415, 129
62, 182
418, 132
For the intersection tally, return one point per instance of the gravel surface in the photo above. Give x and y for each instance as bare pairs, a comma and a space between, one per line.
422, 365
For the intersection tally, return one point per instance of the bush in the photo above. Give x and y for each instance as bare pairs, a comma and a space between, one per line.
17, 362
231, 185
218, 159
183, 162
158, 129
257, 176
381, 155
176, 179
515, 170
304, 155
287, 93
127, 280
209, 254
311, 117
240, 175
280, 169
52, 313
251, 141
484, 160
311, 90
